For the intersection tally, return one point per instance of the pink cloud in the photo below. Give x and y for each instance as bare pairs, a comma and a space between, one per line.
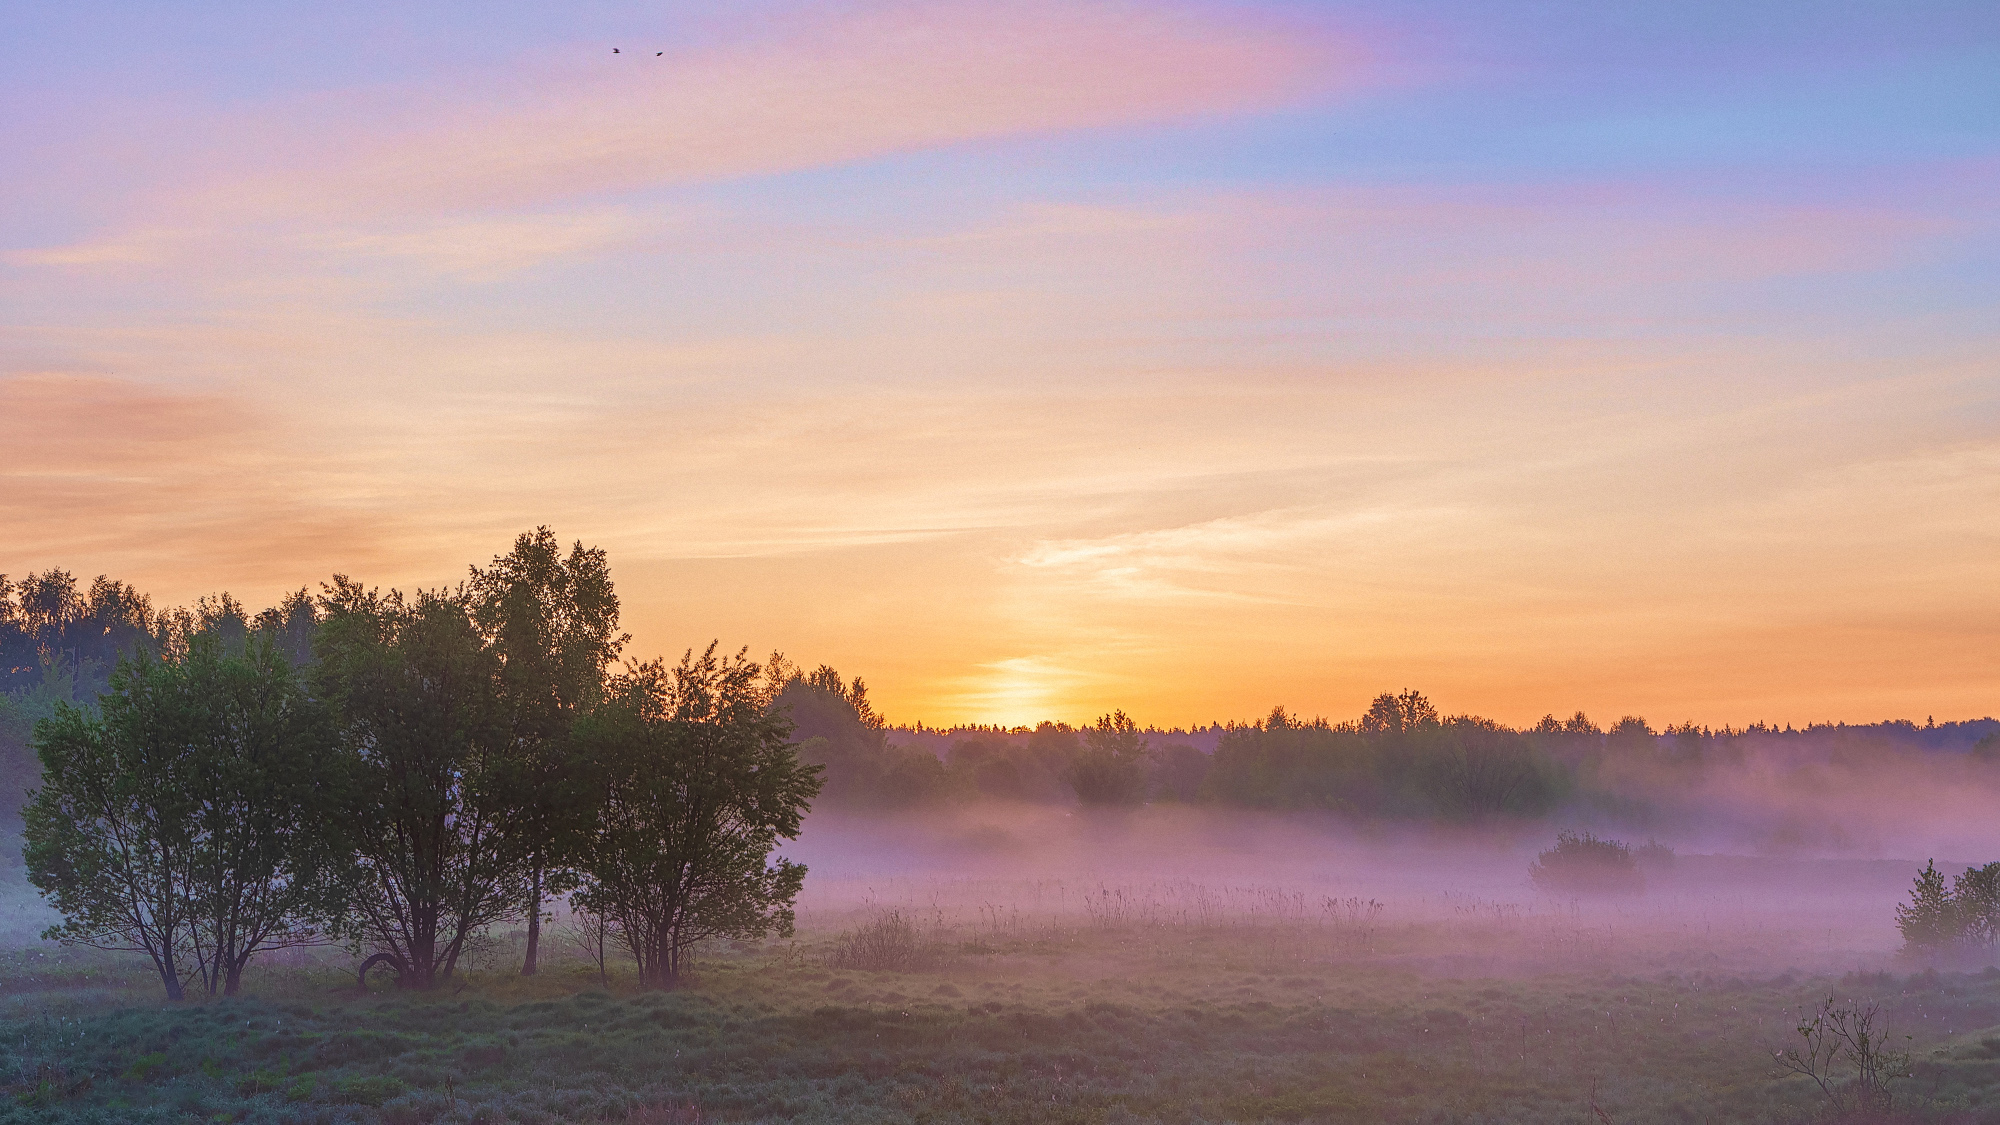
819, 87
182, 492
847, 86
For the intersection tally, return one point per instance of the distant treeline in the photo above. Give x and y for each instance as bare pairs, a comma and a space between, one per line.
1402, 758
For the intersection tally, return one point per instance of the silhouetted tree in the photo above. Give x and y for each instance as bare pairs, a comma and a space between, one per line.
1111, 767
1394, 715
1580, 724
291, 625
696, 784
49, 619
837, 729
1928, 921
1479, 768
995, 767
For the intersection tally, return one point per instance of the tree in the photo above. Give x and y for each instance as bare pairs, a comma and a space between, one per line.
269, 868
1975, 898
1394, 715
1929, 921
696, 784
443, 847
1111, 767
837, 729
1480, 769
193, 820
1288, 762
552, 623
48, 618
109, 841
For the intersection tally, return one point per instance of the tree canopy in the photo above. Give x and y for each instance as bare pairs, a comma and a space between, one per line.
697, 783
196, 818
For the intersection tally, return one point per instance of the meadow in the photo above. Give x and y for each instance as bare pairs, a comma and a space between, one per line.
1051, 1000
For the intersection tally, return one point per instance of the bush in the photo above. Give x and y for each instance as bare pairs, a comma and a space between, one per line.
888, 944
1581, 863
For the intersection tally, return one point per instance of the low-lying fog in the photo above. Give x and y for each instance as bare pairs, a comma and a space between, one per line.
1457, 901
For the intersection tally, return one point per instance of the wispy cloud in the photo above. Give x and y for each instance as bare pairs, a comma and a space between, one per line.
825, 86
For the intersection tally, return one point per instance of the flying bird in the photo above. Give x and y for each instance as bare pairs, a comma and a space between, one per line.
614, 50
657, 54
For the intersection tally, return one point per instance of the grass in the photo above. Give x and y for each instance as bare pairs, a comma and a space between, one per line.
1102, 1024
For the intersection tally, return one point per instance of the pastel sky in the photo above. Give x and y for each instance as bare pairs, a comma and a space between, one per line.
1034, 359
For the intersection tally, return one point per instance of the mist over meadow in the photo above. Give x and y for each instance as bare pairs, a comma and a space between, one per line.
1420, 822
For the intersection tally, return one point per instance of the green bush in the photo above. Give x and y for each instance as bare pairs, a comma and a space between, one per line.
1582, 863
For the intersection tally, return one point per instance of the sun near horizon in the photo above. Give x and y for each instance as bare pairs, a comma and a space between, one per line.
1037, 360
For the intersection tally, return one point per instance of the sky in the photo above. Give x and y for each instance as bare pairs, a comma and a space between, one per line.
1037, 359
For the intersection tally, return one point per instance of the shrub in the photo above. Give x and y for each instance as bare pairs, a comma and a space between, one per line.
888, 944
1581, 863
1848, 1038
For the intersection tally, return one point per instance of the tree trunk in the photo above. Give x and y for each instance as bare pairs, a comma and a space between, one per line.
534, 925
170, 976
423, 960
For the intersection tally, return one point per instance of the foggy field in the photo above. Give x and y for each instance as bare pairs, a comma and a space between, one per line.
1444, 900
1012, 964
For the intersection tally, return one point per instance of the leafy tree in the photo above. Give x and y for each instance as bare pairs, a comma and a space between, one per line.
837, 729
1111, 767
1395, 715
443, 845
1975, 898
270, 867
110, 840
1479, 768
291, 625
1929, 920
1054, 744
48, 618
194, 819
552, 623
827, 680
1631, 727
696, 784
